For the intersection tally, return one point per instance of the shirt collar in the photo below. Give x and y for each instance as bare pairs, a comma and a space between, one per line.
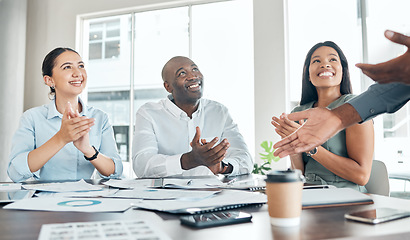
52, 109
176, 111
84, 111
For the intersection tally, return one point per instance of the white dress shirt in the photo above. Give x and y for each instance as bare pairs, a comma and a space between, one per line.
163, 132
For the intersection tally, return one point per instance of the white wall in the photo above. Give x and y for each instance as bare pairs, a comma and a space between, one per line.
270, 70
12, 52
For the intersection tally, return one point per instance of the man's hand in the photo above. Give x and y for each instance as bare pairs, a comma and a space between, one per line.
205, 153
320, 125
395, 70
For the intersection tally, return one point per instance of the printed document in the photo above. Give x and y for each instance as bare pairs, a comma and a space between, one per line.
73, 204
163, 194
104, 230
62, 187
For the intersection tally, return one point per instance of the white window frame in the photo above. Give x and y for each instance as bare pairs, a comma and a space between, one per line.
81, 41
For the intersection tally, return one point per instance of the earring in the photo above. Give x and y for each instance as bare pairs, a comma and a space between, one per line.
52, 87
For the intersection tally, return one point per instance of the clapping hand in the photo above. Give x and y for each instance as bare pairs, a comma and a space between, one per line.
283, 126
205, 153
75, 128
320, 125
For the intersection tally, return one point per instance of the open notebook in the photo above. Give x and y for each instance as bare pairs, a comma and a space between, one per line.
332, 197
227, 199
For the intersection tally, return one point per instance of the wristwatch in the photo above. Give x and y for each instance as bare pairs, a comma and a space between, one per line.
94, 156
224, 166
312, 152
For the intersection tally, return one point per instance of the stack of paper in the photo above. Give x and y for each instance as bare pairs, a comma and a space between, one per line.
175, 195
227, 199
63, 187
164, 194
10, 187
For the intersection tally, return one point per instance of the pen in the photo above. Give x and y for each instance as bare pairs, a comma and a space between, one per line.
315, 187
231, 181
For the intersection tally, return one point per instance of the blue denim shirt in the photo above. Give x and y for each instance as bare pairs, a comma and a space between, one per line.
38, 125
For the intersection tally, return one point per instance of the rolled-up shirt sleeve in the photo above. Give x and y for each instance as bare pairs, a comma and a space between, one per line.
23, 142
381, 98
237, 155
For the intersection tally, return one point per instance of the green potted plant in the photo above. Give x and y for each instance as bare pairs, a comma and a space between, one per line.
267, 157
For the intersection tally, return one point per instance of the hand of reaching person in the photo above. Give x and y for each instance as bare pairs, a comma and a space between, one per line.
395, 70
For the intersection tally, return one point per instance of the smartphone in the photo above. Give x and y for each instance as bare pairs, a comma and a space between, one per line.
377, 215
215, 219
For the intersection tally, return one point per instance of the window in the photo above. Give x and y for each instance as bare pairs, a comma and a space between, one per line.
108, 70
125, 55
159, 35
311, 22
104, 39
393, 130
357, 27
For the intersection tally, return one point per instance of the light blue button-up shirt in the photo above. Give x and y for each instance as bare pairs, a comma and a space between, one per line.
38, 125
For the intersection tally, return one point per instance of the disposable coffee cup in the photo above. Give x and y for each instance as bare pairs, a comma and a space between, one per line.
284, 192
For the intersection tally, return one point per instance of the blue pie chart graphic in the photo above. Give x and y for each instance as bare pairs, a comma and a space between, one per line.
78, 203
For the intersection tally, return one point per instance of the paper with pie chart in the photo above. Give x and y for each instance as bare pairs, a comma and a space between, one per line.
73, 204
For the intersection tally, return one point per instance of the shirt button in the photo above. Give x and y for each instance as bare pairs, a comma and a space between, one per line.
372, 110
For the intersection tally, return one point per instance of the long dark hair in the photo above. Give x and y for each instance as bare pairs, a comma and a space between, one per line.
50, 61
309, 92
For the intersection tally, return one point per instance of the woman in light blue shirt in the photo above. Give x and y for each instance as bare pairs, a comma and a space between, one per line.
65, 139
